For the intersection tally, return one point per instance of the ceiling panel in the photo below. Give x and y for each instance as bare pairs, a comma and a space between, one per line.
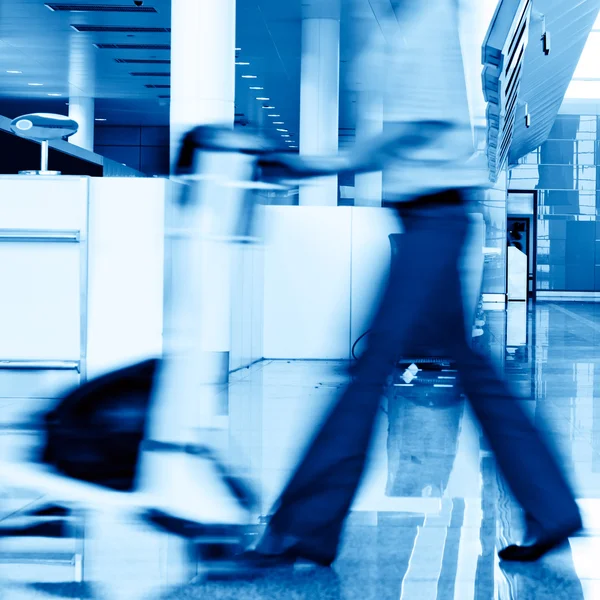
45, 48
547, 77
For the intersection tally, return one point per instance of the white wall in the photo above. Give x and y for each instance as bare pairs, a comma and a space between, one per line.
127, 253
126, 266
40, 300
307, 282
47, 312
247, 306
371, 253
324, 267
324, 270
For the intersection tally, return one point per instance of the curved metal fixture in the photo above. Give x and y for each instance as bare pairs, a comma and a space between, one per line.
43, 127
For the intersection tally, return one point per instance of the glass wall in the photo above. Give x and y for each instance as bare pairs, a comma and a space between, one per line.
565, 172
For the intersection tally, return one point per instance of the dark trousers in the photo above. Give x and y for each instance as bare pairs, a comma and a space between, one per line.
424, 287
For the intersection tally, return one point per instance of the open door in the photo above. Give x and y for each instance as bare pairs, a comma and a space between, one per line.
521, 246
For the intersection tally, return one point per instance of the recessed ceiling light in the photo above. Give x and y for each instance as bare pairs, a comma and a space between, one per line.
256, 87
55, 95
263, 99
14, 72
274, 116
249, 76
242, 64
35, 84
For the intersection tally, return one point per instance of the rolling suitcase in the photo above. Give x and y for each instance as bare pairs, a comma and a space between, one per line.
99, 440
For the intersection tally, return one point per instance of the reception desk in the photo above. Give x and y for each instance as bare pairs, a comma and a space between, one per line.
82, 274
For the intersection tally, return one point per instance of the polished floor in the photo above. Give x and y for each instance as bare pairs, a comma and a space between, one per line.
432, 510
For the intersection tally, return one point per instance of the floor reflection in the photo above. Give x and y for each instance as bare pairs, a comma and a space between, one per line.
432, 509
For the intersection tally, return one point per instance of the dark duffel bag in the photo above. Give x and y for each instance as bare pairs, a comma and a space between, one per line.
95, 432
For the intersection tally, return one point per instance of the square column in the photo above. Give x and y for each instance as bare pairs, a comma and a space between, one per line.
202, 65
319, 102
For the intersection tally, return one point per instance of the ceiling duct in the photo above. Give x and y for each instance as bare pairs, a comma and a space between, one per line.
143, 61
503, 58
133, 46
118, 29
99, 8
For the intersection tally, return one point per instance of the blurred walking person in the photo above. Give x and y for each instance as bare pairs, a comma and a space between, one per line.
427, 153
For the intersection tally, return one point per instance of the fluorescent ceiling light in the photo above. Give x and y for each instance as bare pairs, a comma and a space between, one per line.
100, 119
286, 135
274, 116
55, 95
293, 146
256, 87
249, 76
238, 49
35, 84
289, 141
14, 72
263, 99
268, 107
242, 64
278, 123
284, 130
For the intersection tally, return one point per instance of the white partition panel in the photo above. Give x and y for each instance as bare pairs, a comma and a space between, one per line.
371, 257
39, 307
247, 306
325, 269
247, 311
237, 304
258, 302
126, 271
43, 224
307, 282
43, 203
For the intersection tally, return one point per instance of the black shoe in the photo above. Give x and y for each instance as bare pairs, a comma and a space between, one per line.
538, 547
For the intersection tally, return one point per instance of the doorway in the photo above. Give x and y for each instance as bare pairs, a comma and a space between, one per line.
521, 241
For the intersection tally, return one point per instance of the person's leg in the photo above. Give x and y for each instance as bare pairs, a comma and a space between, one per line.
524, 457
310, 513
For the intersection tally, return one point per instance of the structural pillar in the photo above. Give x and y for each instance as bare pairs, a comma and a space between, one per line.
319, 97
202, 65
368, 187
81, 110
203, 93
